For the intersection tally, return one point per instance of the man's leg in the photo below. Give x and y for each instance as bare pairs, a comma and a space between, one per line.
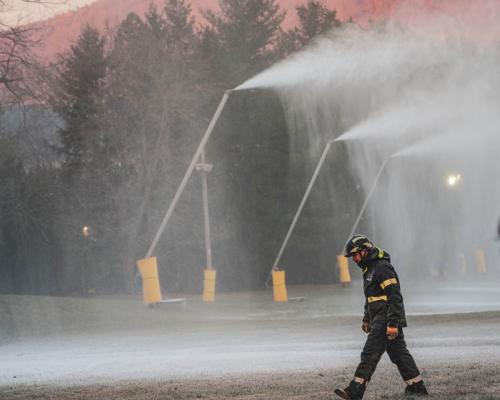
374, 348
399, 354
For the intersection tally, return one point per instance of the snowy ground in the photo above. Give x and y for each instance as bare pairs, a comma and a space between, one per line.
243, 346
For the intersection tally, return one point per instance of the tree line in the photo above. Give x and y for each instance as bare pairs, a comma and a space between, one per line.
94, 146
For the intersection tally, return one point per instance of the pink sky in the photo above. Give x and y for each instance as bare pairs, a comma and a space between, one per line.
18, 11
71, 16
65, 26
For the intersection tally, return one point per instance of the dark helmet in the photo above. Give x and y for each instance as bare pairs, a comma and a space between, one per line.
357, 243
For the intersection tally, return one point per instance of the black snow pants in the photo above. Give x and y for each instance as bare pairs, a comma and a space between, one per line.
376, 344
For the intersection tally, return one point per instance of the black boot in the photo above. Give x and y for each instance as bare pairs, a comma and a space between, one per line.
416, 389
354, 391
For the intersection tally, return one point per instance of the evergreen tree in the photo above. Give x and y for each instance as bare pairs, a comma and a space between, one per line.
77, 99
179, 25
251, 141
315, 19
244, 35
77, 96
156, 21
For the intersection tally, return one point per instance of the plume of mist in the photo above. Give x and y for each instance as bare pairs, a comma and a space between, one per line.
425, 87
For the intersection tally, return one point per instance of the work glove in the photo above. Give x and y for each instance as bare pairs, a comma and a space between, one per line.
365, 327
392, 332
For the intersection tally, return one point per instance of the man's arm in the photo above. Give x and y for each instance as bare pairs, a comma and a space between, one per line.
365, 326
390, 285
366, 317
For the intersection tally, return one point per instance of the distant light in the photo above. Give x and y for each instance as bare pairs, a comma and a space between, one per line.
86, 231
453, 179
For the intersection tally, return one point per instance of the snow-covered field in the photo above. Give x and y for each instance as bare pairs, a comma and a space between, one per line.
242, 345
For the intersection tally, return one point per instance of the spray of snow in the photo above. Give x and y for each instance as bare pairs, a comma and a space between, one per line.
419, 85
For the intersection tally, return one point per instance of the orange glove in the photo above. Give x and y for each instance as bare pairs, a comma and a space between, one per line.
392, 333
365, 327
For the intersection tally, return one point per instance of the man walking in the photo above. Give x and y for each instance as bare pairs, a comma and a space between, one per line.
383, 321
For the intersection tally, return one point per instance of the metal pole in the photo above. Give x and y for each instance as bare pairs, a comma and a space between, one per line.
372, 189
302, 203
206, 218
188, 173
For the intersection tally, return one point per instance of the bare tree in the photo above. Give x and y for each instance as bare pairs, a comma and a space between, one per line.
16, 62
20, 71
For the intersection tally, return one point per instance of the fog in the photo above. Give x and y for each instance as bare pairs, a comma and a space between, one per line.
65, 342
422, 96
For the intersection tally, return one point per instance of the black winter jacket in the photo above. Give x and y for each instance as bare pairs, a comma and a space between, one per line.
384, 301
